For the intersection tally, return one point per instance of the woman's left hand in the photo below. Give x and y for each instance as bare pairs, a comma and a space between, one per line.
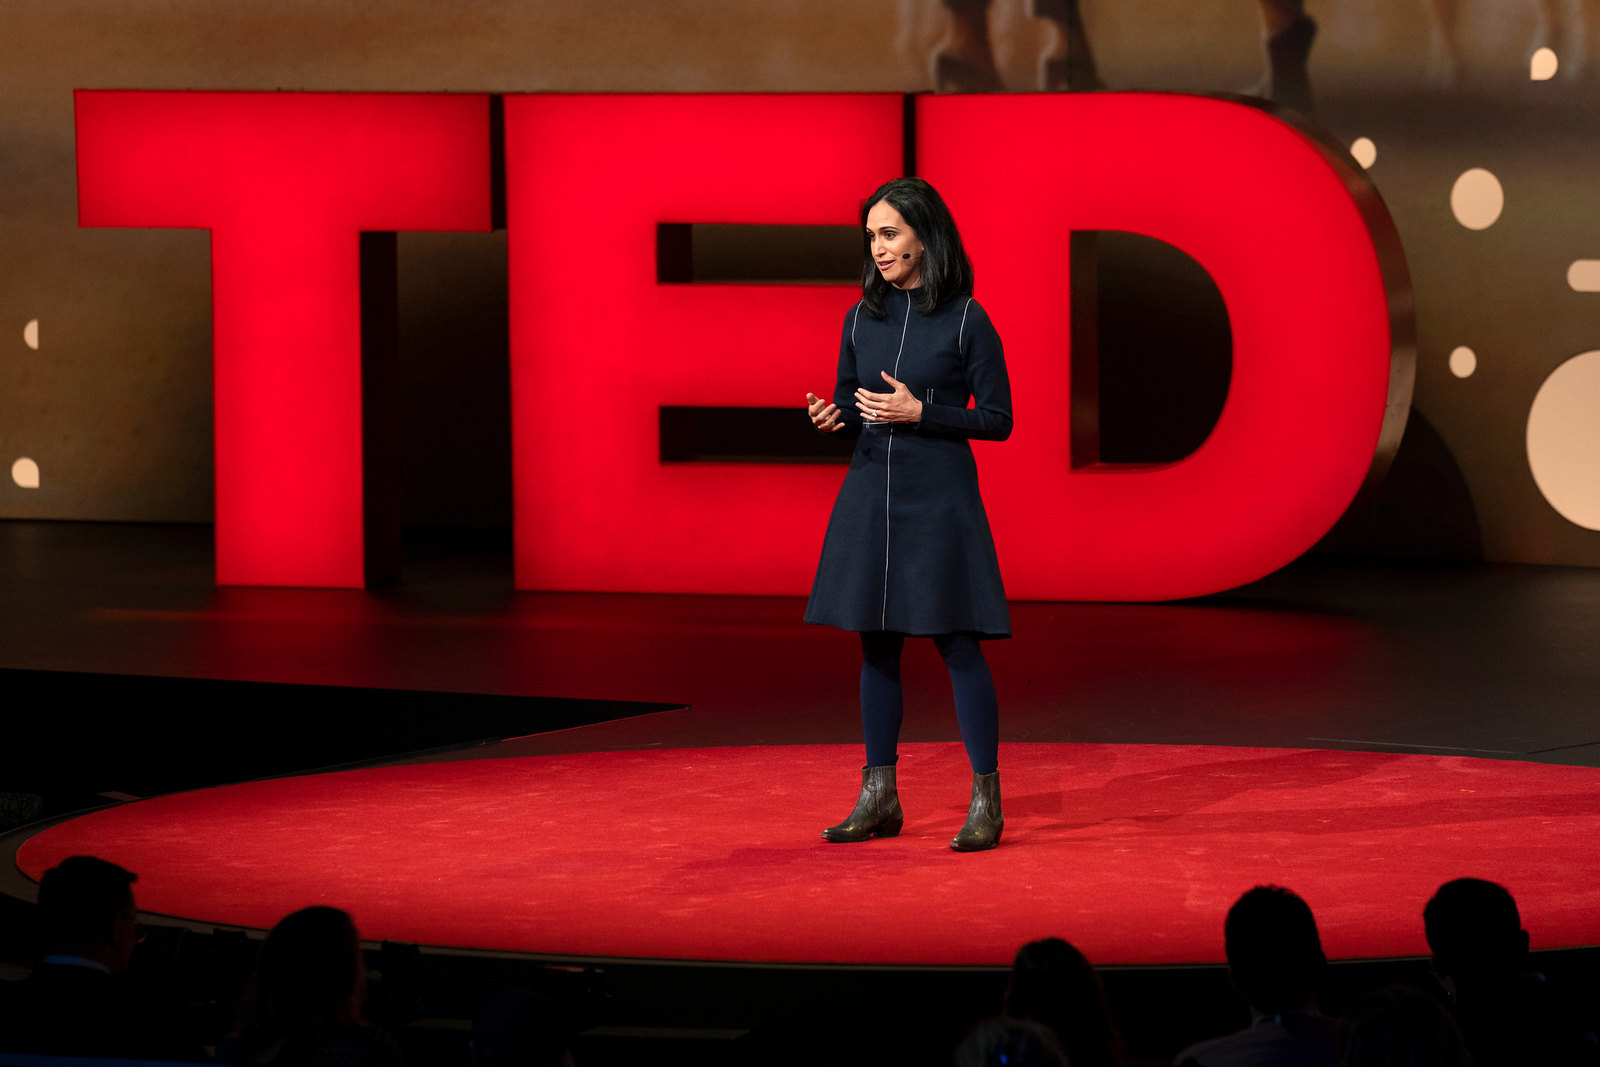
898, 406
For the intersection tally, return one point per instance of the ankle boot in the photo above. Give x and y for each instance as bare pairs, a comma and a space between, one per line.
984, 821
877, 811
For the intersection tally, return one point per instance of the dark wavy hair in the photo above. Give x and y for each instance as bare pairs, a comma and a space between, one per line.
308, 984
1053, 984
946, 270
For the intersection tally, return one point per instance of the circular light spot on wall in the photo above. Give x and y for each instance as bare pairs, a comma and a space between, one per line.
30, 334
1477, 199
1584, 275
1463, 361
1542, 67
1364, 151
1564, 440
25, 472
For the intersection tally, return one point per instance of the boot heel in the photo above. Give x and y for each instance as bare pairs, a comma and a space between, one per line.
877, 812
984, 821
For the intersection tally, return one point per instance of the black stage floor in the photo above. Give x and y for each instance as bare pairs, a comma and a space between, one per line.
1487, 660
127, 673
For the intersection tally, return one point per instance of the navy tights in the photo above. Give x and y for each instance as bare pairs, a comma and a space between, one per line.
883, 707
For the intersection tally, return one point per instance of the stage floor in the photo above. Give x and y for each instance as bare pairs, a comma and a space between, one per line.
1470, 659
1132, 852
1415, 662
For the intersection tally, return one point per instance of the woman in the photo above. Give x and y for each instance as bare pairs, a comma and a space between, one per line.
303, 1008
1053, 984
908, 550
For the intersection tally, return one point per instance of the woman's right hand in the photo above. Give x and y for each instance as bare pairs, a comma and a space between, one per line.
824, 416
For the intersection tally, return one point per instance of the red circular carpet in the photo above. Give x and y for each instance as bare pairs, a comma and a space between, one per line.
1134, 852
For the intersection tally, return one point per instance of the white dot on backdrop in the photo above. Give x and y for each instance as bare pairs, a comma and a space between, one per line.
25, 472
1584, 275
1364, 151
1542, 67
30, 334
1463, 361
1477, 199
1564, 440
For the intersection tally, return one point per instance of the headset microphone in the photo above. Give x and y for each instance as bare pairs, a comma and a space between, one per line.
906, 256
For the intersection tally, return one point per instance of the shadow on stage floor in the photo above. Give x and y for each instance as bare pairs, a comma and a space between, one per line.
1476, 659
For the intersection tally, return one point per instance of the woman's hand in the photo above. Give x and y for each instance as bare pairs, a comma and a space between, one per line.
824, 416
898, 406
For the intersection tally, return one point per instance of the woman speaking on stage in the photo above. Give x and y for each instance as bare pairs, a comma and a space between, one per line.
908, 551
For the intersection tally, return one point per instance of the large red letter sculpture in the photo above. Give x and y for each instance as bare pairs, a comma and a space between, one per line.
287, 183
1308, 266
598, 345
1299, 246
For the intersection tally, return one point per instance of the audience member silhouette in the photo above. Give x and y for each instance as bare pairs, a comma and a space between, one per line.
521, 1028
1013, 1042
304, 1005
1275, 961
1053, 985
1398, 1026
1507, 1013
77, 1001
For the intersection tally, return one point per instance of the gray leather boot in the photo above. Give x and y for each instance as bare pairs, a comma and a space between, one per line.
877, 811
984, 821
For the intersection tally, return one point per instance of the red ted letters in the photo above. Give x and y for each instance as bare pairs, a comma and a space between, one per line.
286, 183
1297, 243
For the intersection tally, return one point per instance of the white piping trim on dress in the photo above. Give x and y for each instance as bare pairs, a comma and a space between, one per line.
959, 333
888, 455
903, 328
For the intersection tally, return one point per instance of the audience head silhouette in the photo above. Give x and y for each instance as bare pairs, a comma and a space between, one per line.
304, 1003
309, 977
79, 999
86, 910
1508, 1014
1474, 931
1274, 954
1053, 984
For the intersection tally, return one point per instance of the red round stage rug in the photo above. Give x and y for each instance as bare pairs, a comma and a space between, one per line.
1133, 852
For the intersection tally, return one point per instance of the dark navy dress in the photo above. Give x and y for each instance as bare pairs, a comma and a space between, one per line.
908, 546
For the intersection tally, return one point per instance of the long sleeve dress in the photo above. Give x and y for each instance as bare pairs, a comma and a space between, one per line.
908, 547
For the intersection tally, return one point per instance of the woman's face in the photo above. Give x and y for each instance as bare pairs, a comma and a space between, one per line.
890, 241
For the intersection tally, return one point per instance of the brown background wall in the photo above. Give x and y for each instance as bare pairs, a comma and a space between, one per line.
113, 405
